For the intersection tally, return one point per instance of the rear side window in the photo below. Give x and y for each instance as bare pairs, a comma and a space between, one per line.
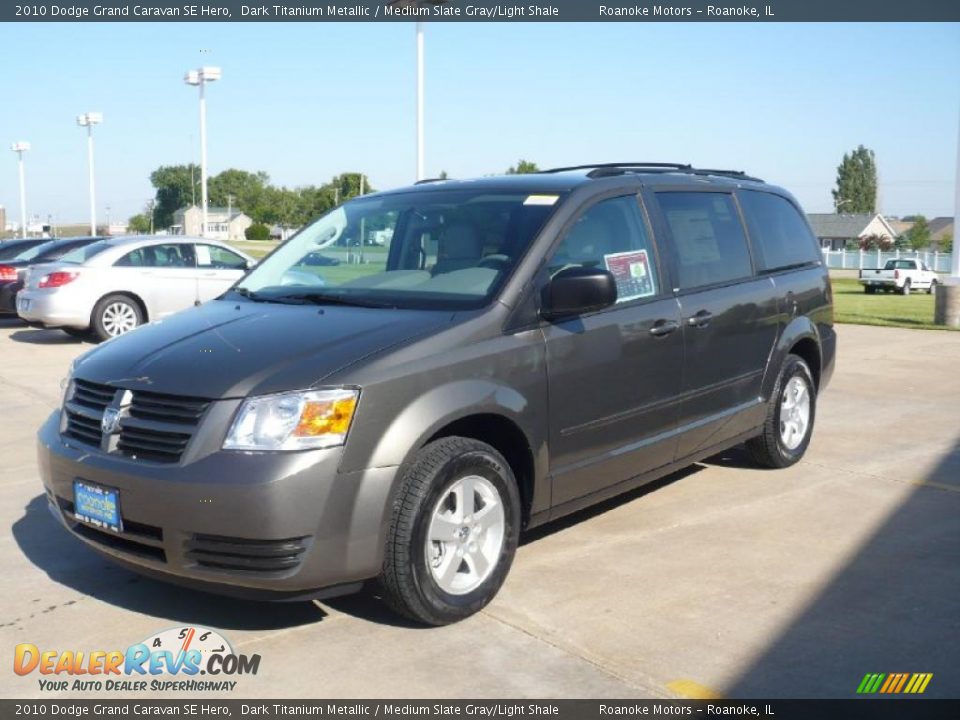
781, 238
611, 235
708, 238
85, 252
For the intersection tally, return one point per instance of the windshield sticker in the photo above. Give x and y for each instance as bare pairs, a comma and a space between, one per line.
541, 199
631, 270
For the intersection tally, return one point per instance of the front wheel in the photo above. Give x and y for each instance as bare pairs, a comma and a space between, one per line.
790, 415
115, 315
453, 534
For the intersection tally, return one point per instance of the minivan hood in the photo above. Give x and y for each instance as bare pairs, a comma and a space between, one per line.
227, 349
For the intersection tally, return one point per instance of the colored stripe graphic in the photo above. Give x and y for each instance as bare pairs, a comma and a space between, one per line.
894, 683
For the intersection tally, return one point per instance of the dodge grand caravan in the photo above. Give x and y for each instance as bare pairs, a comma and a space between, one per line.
520, 348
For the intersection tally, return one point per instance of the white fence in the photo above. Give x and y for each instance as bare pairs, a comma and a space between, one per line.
869, 259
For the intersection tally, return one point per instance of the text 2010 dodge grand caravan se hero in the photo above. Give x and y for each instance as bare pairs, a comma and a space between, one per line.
519, 348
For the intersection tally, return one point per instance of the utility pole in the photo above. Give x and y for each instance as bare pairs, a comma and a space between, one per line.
419, 101
20, 148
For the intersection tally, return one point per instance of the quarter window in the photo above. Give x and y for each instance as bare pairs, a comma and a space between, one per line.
708, 238
780, 236
612, 235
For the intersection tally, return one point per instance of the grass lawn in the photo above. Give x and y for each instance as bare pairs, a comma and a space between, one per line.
852, 305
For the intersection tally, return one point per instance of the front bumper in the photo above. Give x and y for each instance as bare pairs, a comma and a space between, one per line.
54, 309
267, 525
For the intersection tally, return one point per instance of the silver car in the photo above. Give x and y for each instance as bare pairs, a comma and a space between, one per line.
112, 286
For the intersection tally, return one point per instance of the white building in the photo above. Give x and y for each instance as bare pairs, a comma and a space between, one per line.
222, 223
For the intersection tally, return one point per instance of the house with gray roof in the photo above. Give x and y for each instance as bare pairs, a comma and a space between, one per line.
834, 230
940, 229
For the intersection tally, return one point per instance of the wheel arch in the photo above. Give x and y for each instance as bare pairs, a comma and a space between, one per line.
801, 338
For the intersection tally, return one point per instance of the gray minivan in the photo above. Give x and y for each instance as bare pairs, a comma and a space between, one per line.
519, 348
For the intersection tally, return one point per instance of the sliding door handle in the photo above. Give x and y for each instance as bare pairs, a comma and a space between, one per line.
701, 319
662, 328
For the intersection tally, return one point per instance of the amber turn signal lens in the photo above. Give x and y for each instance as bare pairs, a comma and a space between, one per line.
326, 418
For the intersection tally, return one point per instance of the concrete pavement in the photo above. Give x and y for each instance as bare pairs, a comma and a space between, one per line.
723, 580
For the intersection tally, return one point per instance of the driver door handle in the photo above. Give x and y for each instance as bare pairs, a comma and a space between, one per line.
662, 328
701, 319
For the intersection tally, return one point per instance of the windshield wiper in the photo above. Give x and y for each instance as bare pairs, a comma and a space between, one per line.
317, 298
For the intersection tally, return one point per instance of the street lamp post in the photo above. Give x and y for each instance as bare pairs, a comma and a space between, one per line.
20, 148
88, 120
419, 101
200, 78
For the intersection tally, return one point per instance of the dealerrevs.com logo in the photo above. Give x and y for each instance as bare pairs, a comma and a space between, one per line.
169, 661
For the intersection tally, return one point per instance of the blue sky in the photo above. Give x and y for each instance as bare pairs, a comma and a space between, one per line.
304, 101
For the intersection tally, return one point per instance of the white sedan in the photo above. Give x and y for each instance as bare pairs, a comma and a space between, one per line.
114, 285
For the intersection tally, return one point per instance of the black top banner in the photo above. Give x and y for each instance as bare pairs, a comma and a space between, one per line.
485, 10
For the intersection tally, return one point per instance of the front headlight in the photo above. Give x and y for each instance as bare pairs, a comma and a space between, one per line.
293, 421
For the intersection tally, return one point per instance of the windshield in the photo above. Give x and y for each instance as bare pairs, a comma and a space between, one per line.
80, 255
444, 249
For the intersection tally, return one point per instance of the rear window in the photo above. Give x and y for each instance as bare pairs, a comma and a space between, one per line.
708, 238
80, 255
781, 238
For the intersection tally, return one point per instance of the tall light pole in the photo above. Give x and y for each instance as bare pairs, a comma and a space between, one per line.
419, 101
200, 78
20, 148
955, 252
88, 120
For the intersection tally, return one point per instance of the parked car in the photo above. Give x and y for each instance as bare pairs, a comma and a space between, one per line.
318, 259
902, 276
11, 248
12, 271
532, 345
112, 286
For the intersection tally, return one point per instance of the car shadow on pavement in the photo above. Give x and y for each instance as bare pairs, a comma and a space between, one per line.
69, 562
890, 608
36, 336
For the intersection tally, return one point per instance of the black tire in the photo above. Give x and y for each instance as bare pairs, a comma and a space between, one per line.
767, 448
407, 582
869, 289
933, 287
905, 290
100, 324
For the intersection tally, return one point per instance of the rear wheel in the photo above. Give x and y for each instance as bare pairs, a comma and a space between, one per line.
115, 315
454, 532
906, 287
869, 289
790, 414
933, 287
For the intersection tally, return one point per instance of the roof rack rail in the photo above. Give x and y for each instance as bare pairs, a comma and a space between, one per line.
430, 180
619, 166
598, 170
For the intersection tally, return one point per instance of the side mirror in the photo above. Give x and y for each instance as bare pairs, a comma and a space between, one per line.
578, 290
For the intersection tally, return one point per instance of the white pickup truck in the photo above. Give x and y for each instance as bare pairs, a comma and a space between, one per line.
902, 276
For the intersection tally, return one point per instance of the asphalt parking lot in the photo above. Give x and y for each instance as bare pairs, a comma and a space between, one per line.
723, 580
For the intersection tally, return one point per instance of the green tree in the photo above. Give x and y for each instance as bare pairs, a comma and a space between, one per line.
856, 190
244, 187
177, 186
946, 243
918, 236
523, 167
139, 224
443, 175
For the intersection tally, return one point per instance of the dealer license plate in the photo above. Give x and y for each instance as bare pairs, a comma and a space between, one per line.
97, 506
